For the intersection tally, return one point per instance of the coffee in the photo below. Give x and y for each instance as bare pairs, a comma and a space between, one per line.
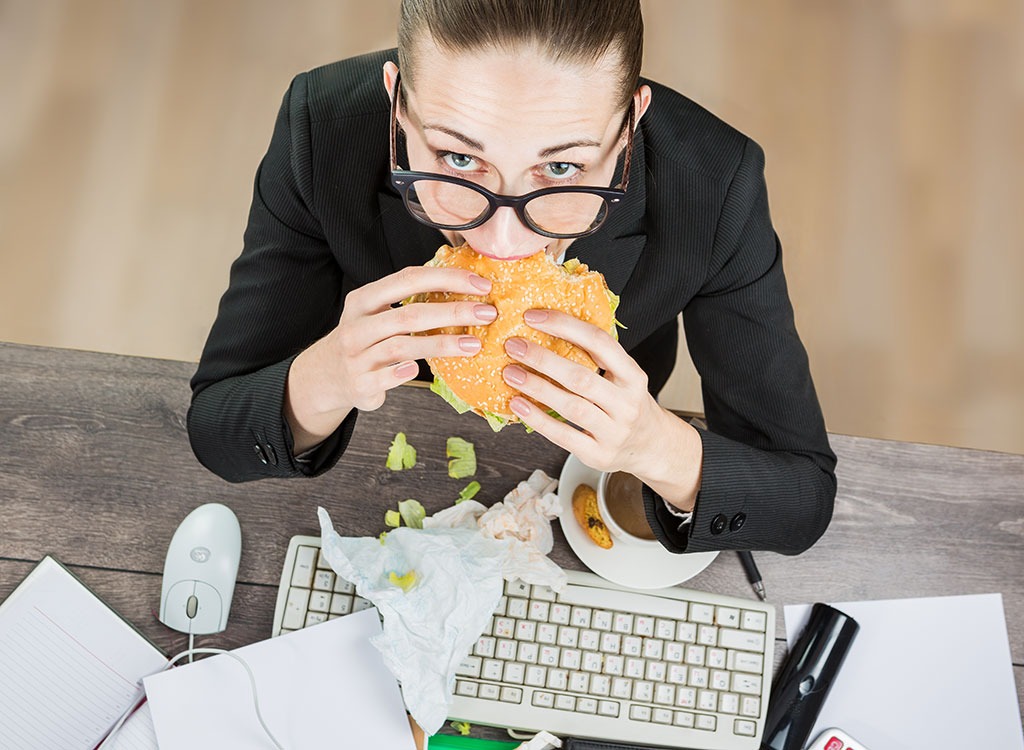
626, 504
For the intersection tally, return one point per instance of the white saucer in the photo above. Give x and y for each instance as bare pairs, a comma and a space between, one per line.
651, 567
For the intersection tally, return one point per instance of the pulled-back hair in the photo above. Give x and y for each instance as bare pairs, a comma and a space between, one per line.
576, 31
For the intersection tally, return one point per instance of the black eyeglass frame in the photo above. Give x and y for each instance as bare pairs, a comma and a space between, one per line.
404, 179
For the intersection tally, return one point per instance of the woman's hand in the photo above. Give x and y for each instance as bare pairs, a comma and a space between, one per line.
372, 348
613, 422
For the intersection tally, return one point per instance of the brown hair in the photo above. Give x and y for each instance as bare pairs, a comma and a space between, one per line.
580, 31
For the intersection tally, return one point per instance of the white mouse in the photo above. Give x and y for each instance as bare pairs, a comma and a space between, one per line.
200, 571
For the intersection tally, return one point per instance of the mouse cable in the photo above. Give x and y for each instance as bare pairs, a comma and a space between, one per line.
171, 662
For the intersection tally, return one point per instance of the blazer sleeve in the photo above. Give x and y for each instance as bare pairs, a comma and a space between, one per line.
285, 292
768, 480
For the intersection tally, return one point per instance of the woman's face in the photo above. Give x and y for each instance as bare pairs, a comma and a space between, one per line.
512, 122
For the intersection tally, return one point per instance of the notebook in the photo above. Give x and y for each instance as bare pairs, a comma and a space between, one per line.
70, 664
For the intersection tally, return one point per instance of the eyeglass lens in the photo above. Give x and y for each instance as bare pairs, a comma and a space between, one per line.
450, 205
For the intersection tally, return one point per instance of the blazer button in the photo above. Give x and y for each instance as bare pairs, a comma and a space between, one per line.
260, 453
272, 455
737, 521
718, 524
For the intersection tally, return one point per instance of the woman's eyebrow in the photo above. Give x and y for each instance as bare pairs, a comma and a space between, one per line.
552, 150
475, 145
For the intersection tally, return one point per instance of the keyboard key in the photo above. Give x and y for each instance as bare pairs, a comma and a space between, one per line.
656, 671
568, 637
608, 708
644, 626
683, 719
580, 617
744, 640
320, 601
592, 661
295, 608
707, 700
750, 706
539, 611
579, 682
515, 673
543, 593
504, 627
586, 705
467, 688
492, 669
590, 640
511, 695
602, 620
728, 703
614, 664
560, 613
506, 649
744, 728
653, 648
489, 692
632, 645
469, 667
727, 617
359, 604
698, 677
324, 580
662, 716
719, 679
695, 655
548, 656
315, 618
664, 694
640, 713
528, 653
501, 609
547, 633
687, 633
341, 586
676, 674
558, 679
701, 613
744, 661
305, 563
611, 642
321, 562
565, 702
543, 699
716, 658
517, 608
536, 676
753, 620
749, 684
341, 604
674, 652
600, 684
485, 646
517, 588
623, 623
707, 635
665, 629
706, 722
525, 630
571, 658
643, 691
636, 668
622, 687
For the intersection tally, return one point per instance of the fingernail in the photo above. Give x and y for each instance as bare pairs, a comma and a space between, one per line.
486, 313
535, 316
484, 285
515, 375
516, 347
469, 343
520, 407
407, 370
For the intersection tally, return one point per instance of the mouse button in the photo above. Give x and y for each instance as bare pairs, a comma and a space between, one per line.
191, 606
209, 609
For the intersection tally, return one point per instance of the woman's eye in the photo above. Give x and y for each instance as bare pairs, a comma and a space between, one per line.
561, 169
462, 162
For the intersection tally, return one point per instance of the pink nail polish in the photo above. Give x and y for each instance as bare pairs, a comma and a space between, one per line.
535, 316
515, 375
486, 313
407, 370
520, 407
469, 344
515, 347
484, 285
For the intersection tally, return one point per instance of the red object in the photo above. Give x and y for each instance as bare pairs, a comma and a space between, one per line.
834, 744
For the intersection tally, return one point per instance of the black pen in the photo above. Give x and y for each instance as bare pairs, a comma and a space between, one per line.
753, 574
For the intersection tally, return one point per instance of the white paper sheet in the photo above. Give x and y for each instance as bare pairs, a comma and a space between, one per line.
924, 673
70, 664
323, 686
137, 733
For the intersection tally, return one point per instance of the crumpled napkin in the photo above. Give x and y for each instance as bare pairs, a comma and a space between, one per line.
460, 558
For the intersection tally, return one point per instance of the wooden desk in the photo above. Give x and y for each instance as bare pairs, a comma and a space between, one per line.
95, 467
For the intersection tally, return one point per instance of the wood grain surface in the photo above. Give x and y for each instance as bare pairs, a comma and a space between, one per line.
96, 469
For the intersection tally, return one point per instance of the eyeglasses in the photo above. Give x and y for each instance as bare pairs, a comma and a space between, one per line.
447, 202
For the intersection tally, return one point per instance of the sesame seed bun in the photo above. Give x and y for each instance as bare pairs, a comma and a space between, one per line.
536, 282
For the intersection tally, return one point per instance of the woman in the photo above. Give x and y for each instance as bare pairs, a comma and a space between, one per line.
514, 96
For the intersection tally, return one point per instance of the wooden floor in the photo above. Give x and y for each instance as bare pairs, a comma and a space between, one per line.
894, 133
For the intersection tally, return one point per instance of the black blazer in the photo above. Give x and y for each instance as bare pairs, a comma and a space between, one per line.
693, 235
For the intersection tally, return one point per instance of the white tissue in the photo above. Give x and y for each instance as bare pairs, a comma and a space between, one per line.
460, 557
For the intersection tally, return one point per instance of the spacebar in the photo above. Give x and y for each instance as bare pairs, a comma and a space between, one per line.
626, 601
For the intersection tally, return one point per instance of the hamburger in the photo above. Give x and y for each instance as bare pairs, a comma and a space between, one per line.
475, 383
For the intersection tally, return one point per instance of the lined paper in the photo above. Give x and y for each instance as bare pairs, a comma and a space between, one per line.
71, 665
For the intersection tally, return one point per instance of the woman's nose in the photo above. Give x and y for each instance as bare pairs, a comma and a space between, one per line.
505, 236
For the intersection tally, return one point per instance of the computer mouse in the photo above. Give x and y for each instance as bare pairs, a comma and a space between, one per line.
200, 570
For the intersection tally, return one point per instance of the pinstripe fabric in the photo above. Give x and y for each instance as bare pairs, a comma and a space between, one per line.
694, 235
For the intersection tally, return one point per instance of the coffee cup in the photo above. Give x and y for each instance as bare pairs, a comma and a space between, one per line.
620, 501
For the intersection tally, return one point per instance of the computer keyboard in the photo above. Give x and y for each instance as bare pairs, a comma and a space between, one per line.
673, 667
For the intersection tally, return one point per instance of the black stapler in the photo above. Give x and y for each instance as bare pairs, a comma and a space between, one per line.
806, 677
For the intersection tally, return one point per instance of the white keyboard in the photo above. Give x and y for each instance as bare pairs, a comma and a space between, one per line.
672, 667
